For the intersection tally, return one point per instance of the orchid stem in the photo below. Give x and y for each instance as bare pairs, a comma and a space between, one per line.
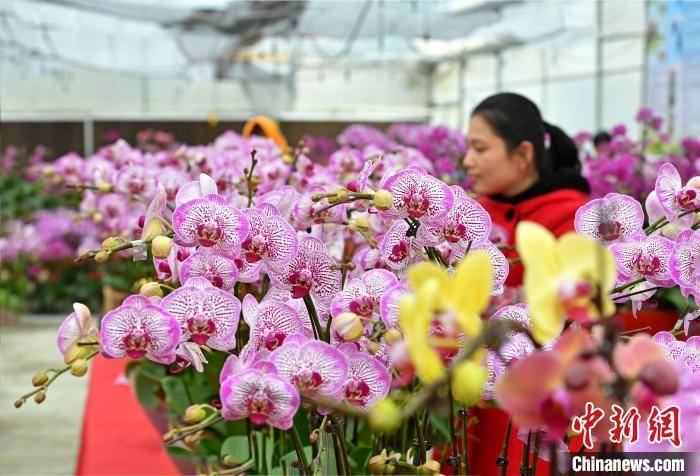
249, 176
525, 461
536, 452
43, 388
314, 318
502, 460
453, 435
465, 449
299, 448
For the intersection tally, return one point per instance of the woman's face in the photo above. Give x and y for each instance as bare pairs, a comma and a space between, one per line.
492, 169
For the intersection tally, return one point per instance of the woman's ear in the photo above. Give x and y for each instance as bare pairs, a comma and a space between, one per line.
525, 155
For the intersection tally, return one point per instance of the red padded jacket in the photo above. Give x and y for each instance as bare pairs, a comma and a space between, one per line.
552, 205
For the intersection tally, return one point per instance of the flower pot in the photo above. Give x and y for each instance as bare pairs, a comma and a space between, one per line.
656, 319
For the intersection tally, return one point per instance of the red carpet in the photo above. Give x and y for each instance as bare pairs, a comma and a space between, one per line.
118, 438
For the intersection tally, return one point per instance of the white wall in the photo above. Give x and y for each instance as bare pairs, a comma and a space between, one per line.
388, 92
560, 73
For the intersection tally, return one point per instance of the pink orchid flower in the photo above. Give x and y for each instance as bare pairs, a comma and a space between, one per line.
206, 314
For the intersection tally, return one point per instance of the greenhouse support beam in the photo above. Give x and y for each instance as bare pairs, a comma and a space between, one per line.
88, 136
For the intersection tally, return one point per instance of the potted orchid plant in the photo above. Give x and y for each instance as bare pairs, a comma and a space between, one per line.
330, 319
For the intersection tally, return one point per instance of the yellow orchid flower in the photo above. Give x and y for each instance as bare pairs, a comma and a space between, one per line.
464, 295
415, 313
563, 278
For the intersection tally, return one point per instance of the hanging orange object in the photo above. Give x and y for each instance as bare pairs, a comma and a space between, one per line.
270, 129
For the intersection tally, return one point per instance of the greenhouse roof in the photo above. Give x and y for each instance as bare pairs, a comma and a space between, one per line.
212, 38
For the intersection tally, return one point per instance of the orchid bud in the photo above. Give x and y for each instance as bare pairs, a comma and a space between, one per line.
333, 195
169, 436
39, 379
392, 336
151, 289
360, 224
97, 217
468, 380
79, 367
194, 414
76, 352
49, 171
192, 440
18, 403
313, 437
84, 255
385, 416
40, 397
102, 257
342, 196
347, 326
378, 464
105, 187
153, 228
110, 243
287, 159
372, 347
161, 246
429, 467
383, 200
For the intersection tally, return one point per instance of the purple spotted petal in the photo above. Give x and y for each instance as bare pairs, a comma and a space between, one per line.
196, 189
514, 349
206, 314
270, 238
261, 397
314, 368
210, 222
673, 197
367, 258
367, 169
139, 328
362, 295
610, 219
684, 260
519, 313
211, 264
644, 257
270, 322
389, 304
664, 338
418, 195
466, 222
309, 272
368, 380
398, 249
136, 180
247, 360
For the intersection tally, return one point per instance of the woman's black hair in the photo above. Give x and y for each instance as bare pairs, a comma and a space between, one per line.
602, 137
514, 118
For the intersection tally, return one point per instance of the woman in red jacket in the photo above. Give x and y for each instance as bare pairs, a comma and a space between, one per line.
524, 169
